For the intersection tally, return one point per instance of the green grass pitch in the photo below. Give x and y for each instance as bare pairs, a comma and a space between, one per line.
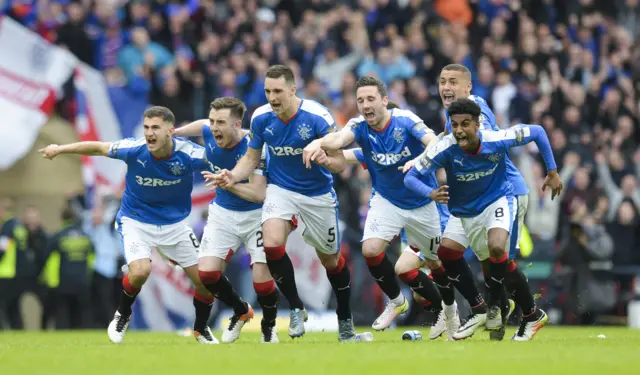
556, 350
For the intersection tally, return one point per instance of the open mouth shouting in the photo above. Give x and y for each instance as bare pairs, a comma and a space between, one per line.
369, 115
448, 98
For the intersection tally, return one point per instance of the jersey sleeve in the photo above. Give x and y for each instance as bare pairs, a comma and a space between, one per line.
122, 149
325, 124
256, 136
432, 160
199, 160
355, 126
261, 170
357, 152
520, 135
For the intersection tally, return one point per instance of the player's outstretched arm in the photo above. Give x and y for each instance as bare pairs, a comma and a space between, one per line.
192, 129
245, 167
330, 142
522, 134
91, 148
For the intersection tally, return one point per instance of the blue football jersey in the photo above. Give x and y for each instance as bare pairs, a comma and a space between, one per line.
477, 180
222, 158
488, 122
442, 208
387, 149
158, 191
285, 142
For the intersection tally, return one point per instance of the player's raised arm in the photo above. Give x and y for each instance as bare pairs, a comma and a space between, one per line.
522, 134
192, 129
90, 148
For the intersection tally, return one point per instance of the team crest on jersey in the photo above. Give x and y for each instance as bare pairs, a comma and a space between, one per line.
177, 168
398, 135
304, 131
494, 158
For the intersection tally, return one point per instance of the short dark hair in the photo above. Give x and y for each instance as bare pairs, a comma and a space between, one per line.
391, 105
277, 71
163, 112
458, 68
465, 106
236, 106
371, 81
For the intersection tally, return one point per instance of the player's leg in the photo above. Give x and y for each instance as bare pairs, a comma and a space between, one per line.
265, 288
518, 286
340, 279
384, 222
497, 220
424, 233
219, 241
451, 253
263, 282
408, 269
320, 216
179, 244
278, 216
137, 240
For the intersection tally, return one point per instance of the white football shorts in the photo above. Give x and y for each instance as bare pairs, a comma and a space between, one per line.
422, 225
319, 214
176, 242
226, 230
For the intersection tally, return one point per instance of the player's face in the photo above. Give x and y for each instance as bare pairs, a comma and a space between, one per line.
157, 132
453, 85
371, 105
465, 129
223, 126
280, 95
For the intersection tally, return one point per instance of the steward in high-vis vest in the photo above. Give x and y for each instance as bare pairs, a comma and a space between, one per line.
68, 272
13, 246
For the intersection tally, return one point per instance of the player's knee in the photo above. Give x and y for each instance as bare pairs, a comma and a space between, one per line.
139, 272
332, 263
496, 250
433, 264
209, 277
453, 245
373, 249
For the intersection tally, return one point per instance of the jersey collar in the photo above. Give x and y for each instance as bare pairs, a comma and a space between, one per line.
479, 148
294, 114
172, 151
385, 126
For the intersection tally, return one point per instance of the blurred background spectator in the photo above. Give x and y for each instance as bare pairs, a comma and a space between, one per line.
572, 66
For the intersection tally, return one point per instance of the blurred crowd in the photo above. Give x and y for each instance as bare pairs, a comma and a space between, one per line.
572, 66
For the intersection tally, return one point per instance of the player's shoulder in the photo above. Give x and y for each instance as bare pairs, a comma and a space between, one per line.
405, 116
188, 148
262, 113
478, 100
314, 109
355, 122
444, 145
129, 143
